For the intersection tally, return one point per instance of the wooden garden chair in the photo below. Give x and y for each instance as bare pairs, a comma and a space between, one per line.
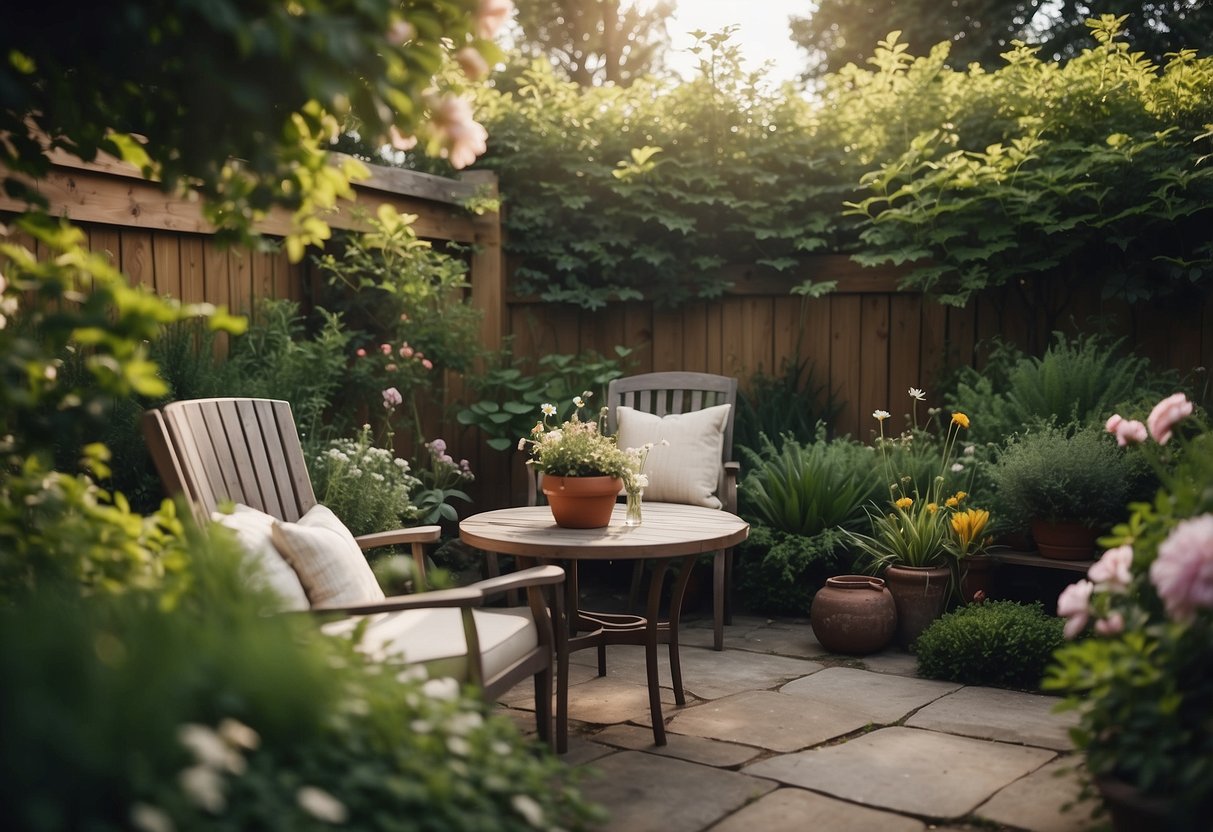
218, 451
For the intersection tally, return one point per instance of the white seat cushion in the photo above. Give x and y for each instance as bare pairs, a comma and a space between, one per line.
327, 559
253, 530
434, 638
688, 469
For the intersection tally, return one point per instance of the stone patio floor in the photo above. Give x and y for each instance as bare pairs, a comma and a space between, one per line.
778, 734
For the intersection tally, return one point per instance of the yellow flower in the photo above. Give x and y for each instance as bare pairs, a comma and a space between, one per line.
932, 507
960, 496
961, 419
904, 502
951, 502
969, 525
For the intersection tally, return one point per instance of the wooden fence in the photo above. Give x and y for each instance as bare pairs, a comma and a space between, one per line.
867, 341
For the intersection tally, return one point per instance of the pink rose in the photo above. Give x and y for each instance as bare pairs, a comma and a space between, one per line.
1074, 604
399, 140
391, 368
1113, 625
1112, 571
361, 353
472, 62
392, 398
429, 365
406, 351
462, 137
1166, 415
386, 349
1130, 432
1113, 422
491, 16
1183, 571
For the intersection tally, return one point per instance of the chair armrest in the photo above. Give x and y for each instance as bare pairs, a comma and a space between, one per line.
466, 596
534, 576
416, 534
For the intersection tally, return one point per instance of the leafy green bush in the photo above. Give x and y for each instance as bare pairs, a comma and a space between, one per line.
779, 573
998, 643
1068, 474
790, 404
201, 712
368, 487
1078, 380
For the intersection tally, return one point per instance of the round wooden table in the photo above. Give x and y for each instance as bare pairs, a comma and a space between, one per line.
670, 532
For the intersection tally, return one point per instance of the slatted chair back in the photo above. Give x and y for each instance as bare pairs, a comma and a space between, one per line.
239, 450
663, 394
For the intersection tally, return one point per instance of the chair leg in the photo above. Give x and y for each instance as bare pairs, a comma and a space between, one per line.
728, 587
718, 605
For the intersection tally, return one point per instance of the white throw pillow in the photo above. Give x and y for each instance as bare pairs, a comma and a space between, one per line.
327, 559
253, 531
688, 469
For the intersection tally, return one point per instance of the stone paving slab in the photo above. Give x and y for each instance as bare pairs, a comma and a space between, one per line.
882, 698
522, 695
891, 661
798, 642
734, 635
1038, 801
907, 770
796, 810
1005, 715
769, 720
607, 701
706, 674
692, 749
651, 793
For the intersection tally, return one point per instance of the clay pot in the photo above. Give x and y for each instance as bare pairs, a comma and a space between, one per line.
853, 614
1064, 541
581, 502
976, 575
920, 594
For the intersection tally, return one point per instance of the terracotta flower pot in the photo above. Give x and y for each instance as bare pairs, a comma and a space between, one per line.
920, 594
853, 614
976, 575
1064, 541
581, 502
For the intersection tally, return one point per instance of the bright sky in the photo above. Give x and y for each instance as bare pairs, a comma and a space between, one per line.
763, 34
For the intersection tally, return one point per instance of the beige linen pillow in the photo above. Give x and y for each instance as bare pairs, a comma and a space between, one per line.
327, 559
688, 469
253, 531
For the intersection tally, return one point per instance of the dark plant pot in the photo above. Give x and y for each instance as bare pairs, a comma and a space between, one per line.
1064, 541
920, 594
853, 614
976, 575
581, 502
1132, 811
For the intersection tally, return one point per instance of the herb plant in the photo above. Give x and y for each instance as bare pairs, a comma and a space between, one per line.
997, 643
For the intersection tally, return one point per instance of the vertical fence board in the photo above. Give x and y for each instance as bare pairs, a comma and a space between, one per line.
905, 349
845, 322
166, 264
669, 335
240, 280
873, 363
193, 270
136, 258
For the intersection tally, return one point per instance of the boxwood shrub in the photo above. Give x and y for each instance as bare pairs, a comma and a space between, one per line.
998, 643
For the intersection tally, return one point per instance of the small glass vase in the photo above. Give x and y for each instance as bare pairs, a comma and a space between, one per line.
632, 517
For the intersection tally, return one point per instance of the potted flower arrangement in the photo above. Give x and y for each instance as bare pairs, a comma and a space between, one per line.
582, 469
1068, 484
919, 540
1142, 682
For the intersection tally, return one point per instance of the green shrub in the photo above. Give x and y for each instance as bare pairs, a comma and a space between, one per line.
998, 643
790, 404
779, 573
365, 485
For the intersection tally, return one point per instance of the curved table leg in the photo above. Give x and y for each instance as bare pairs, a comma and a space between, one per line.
651, 627
680, 585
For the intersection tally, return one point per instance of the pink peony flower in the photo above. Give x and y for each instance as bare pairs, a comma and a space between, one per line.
429, 365
1183, 572
391, 368
491, 16
463, 138
361, 353
472, 62
406, 351
1074, 604
386, 349
1166, 415
399, 140
1112, 571
1113, 423
1113, 625
392, 398
1130, 432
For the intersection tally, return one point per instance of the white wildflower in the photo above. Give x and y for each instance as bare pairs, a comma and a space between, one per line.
458, 746
464, 723
957, 467
238, 734
917, 394
548, 409
501, 748
522, 444
203, 786
420, 726
970, 450
147, 818
321, 805
641, 480
208, 747
416, 673
530, 810
445, 689
578, 401
880, 415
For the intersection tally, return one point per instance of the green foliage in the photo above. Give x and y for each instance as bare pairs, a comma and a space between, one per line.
651, 191
778, 573
1078, 380
790, 404
806, 489
511, 393
1097, 167
407, 313
997, 643
1067, 474
281, 74
365, 485
208, 714
442, 480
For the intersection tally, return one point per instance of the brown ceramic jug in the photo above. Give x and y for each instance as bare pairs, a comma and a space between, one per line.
853, 614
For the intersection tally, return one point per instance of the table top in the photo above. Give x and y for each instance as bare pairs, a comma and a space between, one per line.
668, 530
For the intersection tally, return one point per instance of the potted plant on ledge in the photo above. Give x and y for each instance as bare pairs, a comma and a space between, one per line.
1142, 682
